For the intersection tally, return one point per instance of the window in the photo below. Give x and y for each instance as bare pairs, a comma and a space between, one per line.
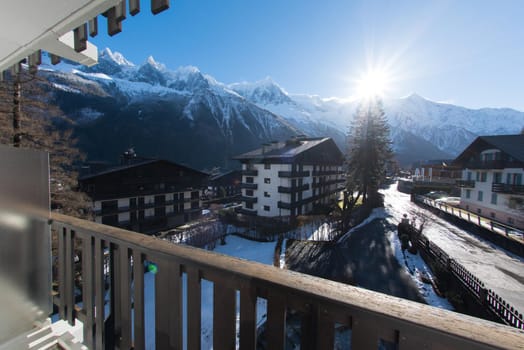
160, 200
479, 211
267, 180
108, 207
160, 212
249, 193
249, 205
249, 179
468, 177
517, 179
497, 178
267, 208
267, 166
477, 176
468, 193
194, 195
266, 194
132, 202
483, 176
493, 198
480, 196
132, 217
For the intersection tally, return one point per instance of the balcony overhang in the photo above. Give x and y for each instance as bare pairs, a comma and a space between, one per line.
58, 27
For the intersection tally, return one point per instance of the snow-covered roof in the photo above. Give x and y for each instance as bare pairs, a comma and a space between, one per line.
139, 164
288, 151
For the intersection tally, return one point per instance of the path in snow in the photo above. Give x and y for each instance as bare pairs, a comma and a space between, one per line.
500, 270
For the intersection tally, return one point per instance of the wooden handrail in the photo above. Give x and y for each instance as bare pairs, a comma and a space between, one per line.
322, 303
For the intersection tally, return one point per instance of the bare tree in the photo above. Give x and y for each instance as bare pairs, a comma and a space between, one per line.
30, 119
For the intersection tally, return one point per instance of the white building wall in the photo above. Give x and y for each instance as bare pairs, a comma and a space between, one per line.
123, 216
271, 188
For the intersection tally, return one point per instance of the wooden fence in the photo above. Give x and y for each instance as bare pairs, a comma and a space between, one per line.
322, 305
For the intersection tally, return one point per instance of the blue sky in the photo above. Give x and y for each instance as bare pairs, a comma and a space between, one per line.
465, 52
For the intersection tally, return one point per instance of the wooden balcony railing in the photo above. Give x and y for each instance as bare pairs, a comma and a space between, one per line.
507, 188
321, 305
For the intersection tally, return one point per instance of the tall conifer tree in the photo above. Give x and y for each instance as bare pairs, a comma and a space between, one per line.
369, 150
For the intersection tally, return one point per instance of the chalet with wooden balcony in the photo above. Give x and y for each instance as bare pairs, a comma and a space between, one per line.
146, 196
286, 179
492, 178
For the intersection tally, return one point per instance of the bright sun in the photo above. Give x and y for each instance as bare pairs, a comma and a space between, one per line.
373, 83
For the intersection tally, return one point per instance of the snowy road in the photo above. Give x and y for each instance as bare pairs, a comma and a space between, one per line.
501, 271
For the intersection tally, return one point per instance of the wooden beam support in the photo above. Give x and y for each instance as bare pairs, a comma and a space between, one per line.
134, 7
158, 6
113, 25
93, 27
80, 34
55, 59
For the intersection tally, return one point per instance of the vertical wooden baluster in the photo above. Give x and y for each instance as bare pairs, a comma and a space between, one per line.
276, 321
61, 231
114, 321
125, 298
363, 334
99, 294
70, 277
87, 288
325, 330
194, 312
248, 310
168, 306
138, 297
224, 313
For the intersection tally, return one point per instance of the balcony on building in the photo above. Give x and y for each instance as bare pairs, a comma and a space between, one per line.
250, 172
507, 188
465, 183
248, 199
304, 173
248, 186
293, 189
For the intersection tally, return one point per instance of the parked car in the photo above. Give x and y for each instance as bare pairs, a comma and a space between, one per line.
437, 194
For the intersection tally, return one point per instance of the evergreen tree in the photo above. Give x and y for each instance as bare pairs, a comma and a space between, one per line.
29, 119
369, 150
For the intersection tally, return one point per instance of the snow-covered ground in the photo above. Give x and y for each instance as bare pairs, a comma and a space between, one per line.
261, 252
500, 270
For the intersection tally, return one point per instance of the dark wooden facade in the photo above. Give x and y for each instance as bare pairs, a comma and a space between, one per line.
147, 196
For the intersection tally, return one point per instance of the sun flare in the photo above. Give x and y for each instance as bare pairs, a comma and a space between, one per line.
373, 83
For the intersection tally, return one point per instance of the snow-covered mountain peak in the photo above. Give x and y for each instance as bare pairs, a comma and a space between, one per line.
116, 57
153, 63
265, 92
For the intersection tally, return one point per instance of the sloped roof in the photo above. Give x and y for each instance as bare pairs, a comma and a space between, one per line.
286, 151
512, 145
136, 165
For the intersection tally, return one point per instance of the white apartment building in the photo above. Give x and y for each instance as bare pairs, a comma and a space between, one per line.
286, 179
492, 182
